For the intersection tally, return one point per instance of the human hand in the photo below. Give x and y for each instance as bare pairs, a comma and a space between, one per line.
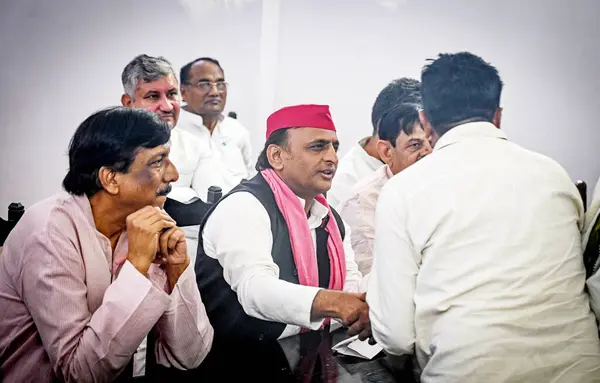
143, 229
362, 325
173, 253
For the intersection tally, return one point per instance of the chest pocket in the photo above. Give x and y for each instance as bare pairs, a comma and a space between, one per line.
231, 156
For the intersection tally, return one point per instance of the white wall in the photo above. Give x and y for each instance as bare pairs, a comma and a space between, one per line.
62, 59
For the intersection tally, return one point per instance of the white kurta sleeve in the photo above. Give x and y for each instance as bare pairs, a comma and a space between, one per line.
238, 235
392, 280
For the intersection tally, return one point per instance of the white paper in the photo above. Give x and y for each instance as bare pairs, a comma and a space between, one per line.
359, 349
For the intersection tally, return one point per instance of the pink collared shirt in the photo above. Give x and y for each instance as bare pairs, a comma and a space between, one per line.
68, 314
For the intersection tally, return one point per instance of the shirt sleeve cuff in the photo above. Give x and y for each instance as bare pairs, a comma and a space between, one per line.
135, 279
188, 274
306, 300
186, 281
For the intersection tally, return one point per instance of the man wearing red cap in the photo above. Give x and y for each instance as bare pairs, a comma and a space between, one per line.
274, 259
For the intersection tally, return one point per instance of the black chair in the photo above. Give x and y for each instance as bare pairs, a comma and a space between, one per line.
582, 187
15, 212
190, 214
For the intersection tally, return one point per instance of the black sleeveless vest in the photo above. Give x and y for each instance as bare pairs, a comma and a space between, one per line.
226, 314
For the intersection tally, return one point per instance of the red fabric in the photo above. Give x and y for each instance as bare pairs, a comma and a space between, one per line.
300, 116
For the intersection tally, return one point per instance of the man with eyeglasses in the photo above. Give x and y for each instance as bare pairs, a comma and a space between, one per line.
229, 157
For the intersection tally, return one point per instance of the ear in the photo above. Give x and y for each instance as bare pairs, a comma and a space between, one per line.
109, 181
424, 120
497, 118
275, 154
183, 92
385, 151
126, 100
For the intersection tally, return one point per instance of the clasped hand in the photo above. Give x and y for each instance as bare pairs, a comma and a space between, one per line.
154, 238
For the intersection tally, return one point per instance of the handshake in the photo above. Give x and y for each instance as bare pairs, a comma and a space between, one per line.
351, 309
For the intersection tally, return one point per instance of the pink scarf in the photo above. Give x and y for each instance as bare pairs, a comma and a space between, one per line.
301, 239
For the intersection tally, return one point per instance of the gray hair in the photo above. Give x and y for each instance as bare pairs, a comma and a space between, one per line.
146, 68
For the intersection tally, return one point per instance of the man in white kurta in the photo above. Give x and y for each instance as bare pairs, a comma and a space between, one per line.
478, 262
227, 156
591, 246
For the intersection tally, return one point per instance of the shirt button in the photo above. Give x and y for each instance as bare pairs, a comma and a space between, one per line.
295, 272
261, 337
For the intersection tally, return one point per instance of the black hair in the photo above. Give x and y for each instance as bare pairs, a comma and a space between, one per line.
401, 118
184, 73
400, 91
110, 138
279, 138
459, 87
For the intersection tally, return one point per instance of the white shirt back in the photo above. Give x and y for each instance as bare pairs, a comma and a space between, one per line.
478, 265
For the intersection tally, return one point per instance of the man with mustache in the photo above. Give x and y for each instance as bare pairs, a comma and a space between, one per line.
363, 158
228, 158
87, 274
402, 142
274, 258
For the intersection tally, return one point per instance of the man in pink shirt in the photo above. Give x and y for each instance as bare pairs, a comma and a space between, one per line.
402, 142
86, 275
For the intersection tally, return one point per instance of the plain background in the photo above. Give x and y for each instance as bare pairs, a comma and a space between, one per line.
61, 60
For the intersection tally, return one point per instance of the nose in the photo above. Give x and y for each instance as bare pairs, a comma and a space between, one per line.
166, 105
213, 91
427, 149
171, 173
331, 155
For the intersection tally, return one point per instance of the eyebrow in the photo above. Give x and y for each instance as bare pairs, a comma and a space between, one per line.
220, 79
173, 89
415, 140
158, 156
324, 142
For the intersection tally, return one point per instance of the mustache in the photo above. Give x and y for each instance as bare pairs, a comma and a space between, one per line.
164, 191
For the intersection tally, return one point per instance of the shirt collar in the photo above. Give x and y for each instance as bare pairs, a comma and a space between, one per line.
86, 208
317, 210
469, 131
387, 171
194, 118
83, 202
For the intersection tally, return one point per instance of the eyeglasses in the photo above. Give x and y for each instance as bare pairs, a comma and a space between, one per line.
206, 86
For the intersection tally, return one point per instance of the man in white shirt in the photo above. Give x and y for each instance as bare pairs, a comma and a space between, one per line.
363, 159
150, 83
274, 257
591, 246
478, 262
226, 158
402, 142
